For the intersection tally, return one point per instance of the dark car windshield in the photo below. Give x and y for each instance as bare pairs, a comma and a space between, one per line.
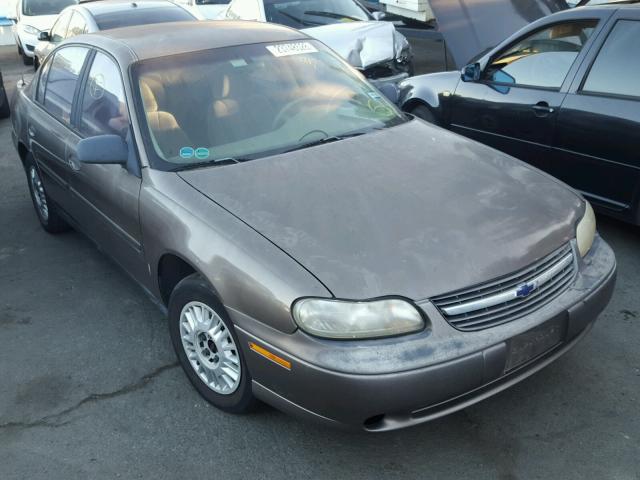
313, 13
239, 103
141, 16
45, 7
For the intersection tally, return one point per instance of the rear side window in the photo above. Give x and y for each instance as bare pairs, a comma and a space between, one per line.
142, 16
62, 81
544, 58
104, 109
616, 70
77, 25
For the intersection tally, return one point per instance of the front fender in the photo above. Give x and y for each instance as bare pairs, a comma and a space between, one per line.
432, 90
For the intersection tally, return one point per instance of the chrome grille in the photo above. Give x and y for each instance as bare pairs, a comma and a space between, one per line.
511, 297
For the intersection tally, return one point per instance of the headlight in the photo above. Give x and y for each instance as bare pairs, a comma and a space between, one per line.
586, 230
30, 29
346, 319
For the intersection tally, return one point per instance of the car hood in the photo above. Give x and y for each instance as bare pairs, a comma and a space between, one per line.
41, 22
362, 44
412, 210
471, 27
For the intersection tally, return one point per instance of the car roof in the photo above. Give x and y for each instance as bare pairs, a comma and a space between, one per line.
172, 38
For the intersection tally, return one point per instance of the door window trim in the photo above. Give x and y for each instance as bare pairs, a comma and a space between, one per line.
583, 51
583, 81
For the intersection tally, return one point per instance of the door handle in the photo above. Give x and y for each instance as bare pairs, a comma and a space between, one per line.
31, 131
542, 109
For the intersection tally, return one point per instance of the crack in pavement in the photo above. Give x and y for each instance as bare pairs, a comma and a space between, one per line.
50, 420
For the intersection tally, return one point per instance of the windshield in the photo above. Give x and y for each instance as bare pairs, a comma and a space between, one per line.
250, 101
313, 13
45, 7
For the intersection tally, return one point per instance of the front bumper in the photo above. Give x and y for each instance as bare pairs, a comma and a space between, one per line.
377, 385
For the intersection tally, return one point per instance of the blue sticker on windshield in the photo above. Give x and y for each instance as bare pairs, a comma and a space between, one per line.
202, 153
186, 152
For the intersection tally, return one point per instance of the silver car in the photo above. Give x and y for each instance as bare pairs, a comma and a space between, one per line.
313, 247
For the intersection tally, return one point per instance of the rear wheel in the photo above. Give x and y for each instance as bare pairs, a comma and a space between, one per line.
207, 347
47, 211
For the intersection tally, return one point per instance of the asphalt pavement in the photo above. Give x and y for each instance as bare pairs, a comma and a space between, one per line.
90, 389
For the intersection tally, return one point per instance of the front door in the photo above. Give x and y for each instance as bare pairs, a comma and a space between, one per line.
514, 106
599, 123
106, 196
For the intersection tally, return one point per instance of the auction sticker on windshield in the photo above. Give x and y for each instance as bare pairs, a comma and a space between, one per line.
295, 48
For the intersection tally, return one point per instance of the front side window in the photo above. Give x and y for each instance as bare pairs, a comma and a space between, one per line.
104, 108
62, 81
543, 59
313, 13
59, 29
240, 103
77, 25
616, 70
45, 7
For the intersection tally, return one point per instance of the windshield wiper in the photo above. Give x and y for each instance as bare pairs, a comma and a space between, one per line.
339, 16
329, 139
307, 23
208, 163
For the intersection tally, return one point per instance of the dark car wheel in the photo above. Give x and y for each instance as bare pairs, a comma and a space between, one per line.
36, 63
207, 346
27, 60
423, 112
4, 102
46, 210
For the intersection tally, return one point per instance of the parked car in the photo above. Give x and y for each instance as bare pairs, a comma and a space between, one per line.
208, 9
561, 94
4, 102
375, 48
88, 17
314, 247
31, 18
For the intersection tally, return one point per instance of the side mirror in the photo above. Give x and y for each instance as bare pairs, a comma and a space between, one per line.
471, 73
44, 37
103, 150
390, 91
378, 15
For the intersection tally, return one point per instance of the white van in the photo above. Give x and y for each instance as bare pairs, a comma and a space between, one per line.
32, 17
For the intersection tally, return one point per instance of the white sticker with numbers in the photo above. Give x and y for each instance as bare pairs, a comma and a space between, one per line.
295, 48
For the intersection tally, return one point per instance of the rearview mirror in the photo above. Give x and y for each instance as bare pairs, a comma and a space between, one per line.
390, 91
44, 37
378, 15
471, 73
102, 150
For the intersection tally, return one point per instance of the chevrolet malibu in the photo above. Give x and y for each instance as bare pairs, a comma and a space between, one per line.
313, 247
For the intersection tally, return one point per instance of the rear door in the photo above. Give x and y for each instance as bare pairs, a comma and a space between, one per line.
49, 125
106, 196
514, 106
598, 131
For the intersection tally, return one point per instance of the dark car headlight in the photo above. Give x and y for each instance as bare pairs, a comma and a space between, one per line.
344, 319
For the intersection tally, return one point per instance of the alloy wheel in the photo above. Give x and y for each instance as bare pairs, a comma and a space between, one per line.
38, 193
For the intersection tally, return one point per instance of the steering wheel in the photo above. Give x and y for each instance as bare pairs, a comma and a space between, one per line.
286, 111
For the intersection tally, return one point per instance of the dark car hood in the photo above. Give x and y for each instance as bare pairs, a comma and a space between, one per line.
412, 210
470, 27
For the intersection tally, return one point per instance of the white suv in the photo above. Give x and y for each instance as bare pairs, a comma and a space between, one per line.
31, 18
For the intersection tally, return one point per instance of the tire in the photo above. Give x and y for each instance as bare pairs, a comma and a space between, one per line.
36, 64
207, 342
27, 60
47, 212
19, 50
4, 102
423, 112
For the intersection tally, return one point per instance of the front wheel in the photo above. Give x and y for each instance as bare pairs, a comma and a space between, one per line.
27, 60
424, 113
207, 347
